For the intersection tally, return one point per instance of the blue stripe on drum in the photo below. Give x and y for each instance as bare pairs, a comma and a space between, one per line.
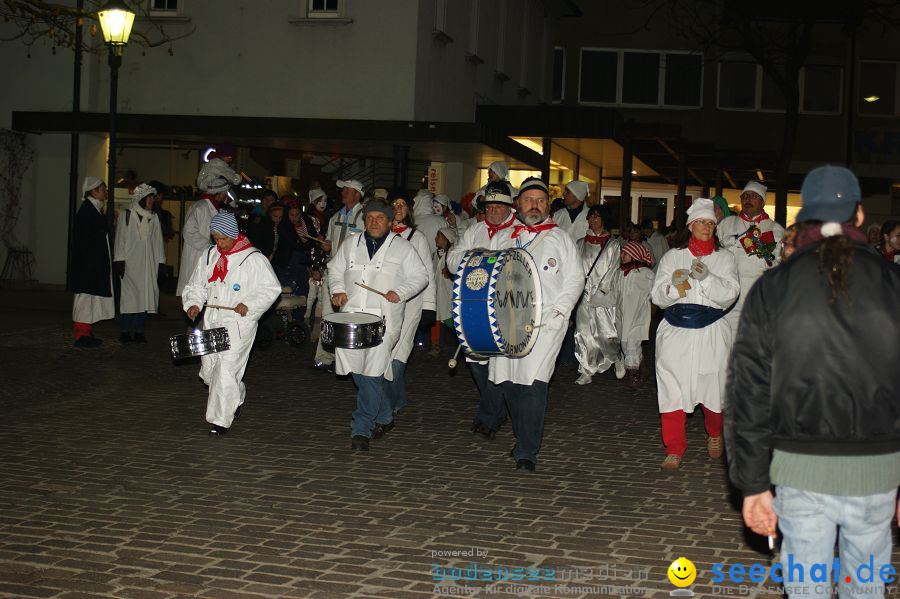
473, 312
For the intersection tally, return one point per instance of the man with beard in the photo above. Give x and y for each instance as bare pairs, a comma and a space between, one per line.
525, 380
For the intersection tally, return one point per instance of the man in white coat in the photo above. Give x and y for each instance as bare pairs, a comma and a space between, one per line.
414, 310
500, 216
525, 380
138, 255
753, 239
428, 222
343, 224
382, 260
573, 218
214, 180
597, 342
234, 274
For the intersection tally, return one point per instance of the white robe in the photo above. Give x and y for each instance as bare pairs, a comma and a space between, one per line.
396, 266
750, 267
443, 287
562, 280
577, 229
658, 247
633, 309
142, 257
595, 326
426, 221
424, 300
250, 281
195, 234
691, 364
340, 228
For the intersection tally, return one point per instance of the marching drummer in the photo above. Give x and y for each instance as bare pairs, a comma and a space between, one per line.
375, 272
524, 381
238, 279
499, 217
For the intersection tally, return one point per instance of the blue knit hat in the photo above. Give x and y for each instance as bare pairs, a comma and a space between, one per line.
225, 224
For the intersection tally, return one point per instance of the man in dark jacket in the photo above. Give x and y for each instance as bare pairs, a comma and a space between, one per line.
90, 277
813, 397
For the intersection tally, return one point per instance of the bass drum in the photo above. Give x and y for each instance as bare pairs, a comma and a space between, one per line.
497, 303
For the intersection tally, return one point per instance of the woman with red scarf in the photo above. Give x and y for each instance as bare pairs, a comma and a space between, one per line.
233, 274
633, 309
696, 285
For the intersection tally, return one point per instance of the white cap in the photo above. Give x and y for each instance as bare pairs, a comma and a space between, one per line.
315, 194
352, 184
91, 182
701, 208
380, 193
578, 188
757, 188
142, 191
450, 233
442, 199
500, 168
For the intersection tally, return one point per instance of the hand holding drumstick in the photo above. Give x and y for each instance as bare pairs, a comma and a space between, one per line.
390, 296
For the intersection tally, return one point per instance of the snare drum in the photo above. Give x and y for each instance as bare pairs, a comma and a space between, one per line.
497, 303
199, 343
352, 330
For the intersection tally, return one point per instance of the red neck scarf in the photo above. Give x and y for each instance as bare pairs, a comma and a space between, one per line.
889, 256
701, 248
597, 239
754, 219
633, 265
544, 226
399, 228
492, 229
212, 200
220, 270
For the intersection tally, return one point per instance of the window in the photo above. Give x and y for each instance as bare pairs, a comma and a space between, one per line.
632, 78
163, 8
877, 88
744, 85
559, 74
323, 9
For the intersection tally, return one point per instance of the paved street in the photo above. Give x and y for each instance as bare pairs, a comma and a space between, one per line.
109, 486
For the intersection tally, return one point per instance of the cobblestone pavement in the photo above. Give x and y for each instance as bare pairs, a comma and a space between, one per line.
109, 486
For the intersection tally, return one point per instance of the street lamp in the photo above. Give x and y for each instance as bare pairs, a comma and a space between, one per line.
116, 20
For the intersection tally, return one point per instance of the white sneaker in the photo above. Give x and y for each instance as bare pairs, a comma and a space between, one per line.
584, 379
620, 369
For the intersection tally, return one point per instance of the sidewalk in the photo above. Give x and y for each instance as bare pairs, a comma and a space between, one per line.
109, 486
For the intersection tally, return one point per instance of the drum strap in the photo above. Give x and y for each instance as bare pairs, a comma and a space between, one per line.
255, 251
597, 259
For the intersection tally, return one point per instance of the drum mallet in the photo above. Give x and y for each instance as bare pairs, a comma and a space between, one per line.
451, 364
372, 289
220, 307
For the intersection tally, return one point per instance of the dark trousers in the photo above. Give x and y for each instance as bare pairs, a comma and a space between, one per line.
491, 405
527, 404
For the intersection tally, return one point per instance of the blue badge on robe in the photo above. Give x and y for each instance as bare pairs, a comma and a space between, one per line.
236, 287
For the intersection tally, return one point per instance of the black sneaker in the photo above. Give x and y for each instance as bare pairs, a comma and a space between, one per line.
359, 443
125, 337
217, 431
484, 431
87, 341
381, 429
525, 465
139, 338
323, 367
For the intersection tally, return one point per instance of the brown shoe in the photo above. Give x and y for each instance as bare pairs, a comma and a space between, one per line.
672, 462
714, 447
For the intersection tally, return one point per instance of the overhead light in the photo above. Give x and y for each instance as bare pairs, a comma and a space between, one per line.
530, 144
206, 153
759, 175
633, 172
872, 98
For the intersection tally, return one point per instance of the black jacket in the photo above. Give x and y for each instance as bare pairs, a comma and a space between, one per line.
290, 242
90, 253
810, 376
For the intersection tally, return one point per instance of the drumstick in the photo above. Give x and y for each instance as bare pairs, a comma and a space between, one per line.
372, 289
316, 239
245, 177
220, 307
530, 327
452, 363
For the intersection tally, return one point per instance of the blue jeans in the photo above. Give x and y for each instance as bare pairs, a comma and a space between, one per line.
810, 523
491, 406
136, 319
527, 404
371, 405
395, 390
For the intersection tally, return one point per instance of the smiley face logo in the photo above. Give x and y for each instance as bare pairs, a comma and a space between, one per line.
682, 572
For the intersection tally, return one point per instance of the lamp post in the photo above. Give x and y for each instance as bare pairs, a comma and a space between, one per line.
116, 20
